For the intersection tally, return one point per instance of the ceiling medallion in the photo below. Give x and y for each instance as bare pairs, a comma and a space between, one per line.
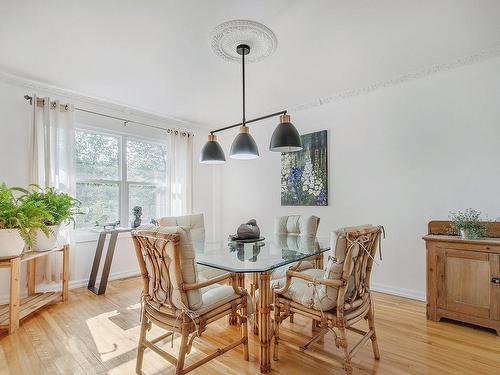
228, 35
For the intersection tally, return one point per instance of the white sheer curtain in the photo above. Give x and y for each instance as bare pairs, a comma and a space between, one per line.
52, 164
180, 172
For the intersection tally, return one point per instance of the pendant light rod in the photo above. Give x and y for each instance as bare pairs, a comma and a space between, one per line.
284, 112
243, 50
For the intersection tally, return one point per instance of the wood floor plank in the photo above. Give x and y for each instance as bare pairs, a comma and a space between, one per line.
98, 335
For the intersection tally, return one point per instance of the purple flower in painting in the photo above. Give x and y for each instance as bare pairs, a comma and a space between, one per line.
294, 180
321, 198
296, 174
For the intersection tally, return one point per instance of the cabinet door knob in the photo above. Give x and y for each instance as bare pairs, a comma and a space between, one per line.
495, 280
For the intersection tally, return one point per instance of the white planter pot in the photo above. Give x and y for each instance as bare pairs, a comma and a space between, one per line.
44, 243
11, 243
467, 234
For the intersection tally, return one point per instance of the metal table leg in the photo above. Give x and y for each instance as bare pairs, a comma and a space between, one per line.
97, 261
107, 263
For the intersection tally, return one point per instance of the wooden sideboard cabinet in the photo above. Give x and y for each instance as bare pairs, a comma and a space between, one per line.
462, 276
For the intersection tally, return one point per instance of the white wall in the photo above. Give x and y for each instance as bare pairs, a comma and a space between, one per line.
15, 117
398, 157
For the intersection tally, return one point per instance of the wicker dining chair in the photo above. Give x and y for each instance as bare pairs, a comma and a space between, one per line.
174, 299
300, 226
336, 297
289, 232
196, 224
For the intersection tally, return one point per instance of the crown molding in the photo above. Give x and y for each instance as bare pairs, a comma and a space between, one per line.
485, 54
128, 110
119, 108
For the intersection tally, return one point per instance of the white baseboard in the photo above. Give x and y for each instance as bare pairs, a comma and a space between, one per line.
402, 292
73, 284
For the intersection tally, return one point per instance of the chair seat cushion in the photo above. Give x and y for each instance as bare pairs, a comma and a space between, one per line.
215, 295
317, 297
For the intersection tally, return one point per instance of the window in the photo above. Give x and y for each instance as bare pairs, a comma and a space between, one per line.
114, 173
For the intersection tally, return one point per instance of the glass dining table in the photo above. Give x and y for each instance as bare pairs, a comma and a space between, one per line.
259, 259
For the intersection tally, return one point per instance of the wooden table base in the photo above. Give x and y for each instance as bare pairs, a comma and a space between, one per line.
233, 318
264, 323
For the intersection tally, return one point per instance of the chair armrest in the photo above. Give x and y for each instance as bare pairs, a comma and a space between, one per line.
202, 284
295, 267
310, 279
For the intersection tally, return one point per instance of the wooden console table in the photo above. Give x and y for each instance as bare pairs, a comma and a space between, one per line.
463, 276
18, 308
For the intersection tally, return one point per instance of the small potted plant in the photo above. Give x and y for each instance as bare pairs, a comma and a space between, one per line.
468, 224
62, 208
19, 221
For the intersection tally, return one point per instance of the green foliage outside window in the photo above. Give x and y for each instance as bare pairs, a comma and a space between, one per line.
98, 158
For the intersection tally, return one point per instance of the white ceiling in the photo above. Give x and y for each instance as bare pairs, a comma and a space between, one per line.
156, 55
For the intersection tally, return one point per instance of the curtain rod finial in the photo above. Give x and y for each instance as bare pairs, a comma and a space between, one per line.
30, 98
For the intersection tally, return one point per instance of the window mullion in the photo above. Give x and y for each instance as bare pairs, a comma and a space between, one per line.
124, 188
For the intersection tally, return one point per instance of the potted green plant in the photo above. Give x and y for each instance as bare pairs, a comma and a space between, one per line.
468, 224
62, 208
19, 221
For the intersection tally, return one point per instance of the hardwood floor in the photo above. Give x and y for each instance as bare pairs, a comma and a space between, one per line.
98, 335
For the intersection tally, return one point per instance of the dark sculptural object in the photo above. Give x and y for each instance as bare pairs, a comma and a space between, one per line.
137, 212
247, 231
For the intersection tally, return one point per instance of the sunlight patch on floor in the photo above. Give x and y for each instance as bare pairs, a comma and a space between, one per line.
110, 339
153, 363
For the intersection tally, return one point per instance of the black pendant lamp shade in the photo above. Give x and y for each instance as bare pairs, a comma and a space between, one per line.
212, 152
285, 137
244, 146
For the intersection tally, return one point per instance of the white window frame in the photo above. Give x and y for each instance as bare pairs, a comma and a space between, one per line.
123, 182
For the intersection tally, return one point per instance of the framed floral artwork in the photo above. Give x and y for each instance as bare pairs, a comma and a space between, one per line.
304, 174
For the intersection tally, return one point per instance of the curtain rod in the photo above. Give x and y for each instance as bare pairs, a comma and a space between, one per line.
125, 121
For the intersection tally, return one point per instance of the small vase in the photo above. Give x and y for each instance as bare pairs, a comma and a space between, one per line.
467, 234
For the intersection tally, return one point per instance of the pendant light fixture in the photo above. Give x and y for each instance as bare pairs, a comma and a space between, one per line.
285, 137
244, 146
212, 152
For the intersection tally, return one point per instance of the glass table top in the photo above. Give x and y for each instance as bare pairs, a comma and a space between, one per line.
275, 251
